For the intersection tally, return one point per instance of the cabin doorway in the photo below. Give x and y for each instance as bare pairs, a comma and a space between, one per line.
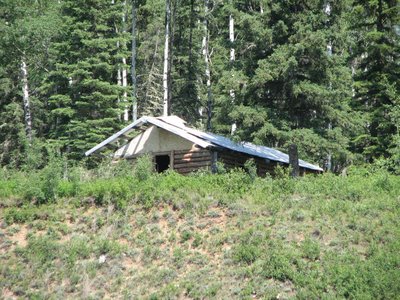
162, 163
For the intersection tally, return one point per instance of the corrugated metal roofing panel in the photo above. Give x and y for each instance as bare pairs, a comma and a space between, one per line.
245, 147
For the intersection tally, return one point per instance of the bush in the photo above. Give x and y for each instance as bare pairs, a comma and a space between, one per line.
277, 265
250, 247
144, 167
311, 249
251, 168
41, 250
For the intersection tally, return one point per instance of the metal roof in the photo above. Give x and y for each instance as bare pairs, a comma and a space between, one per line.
205, 140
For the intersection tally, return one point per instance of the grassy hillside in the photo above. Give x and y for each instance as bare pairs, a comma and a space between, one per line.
119, 234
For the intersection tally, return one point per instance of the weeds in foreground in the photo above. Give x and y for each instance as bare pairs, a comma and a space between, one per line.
120, 232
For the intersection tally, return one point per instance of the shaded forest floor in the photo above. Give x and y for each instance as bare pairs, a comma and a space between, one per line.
201, 237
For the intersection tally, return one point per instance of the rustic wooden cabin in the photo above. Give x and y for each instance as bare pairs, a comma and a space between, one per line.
173, 145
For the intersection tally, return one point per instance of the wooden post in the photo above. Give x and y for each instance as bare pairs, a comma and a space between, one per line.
171, 160
214, 159
294, 160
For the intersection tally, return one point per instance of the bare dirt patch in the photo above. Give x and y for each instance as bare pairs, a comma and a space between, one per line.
19, 239
7, 294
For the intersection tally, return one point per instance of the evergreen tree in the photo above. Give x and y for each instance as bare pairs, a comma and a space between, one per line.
377, 78
27, 30
187, 64
150, 50
83, 86
287, 87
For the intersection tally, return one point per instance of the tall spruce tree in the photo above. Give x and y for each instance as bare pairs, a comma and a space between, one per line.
377, 78
287, 87
83, 87
187, 63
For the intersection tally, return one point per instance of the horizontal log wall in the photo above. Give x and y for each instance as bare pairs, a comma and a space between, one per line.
237, 160
187, 161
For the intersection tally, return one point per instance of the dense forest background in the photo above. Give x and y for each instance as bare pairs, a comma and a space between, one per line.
322, 74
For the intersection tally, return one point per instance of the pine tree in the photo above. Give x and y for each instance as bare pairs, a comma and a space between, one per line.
150, 51
377, 78
187, 68
83, 87
287, 87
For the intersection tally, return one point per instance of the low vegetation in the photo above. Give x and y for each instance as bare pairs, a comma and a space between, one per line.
122, 232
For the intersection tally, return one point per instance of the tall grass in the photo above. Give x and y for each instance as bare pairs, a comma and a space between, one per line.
344, 244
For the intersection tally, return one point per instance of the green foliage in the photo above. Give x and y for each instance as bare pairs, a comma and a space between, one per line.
277, 265
78, 248
251, 168
376, 81
291, 78
144, 167
41, 251
249, 247
327, 237
311, 249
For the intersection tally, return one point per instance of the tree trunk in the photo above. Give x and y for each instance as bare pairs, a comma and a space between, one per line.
328, 166
133, 64
232, 59
166, 83
121, 72
206, 54
26, 100
124, 72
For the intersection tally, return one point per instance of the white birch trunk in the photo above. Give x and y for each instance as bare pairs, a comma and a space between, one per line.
232, 37
26, 100
206, 54
124, 72
133, 64
166, 59
327, 10
119, 83
232, 59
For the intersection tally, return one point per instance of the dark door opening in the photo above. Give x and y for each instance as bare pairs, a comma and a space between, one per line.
162, 163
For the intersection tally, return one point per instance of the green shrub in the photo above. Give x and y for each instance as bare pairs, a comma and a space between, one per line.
19, 215
276, 265
77, 248
105, 245
186, 235
311, 249
144, 167
117, 191
250, 246
40, 250
251, 168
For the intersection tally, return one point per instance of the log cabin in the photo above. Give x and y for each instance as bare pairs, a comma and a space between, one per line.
174, 145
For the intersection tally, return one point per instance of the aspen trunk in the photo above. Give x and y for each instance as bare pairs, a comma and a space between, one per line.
124, 72
166, 104
121, 72
232, 59
26, 100
206, 54
328, 166
119, 83
133, 64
